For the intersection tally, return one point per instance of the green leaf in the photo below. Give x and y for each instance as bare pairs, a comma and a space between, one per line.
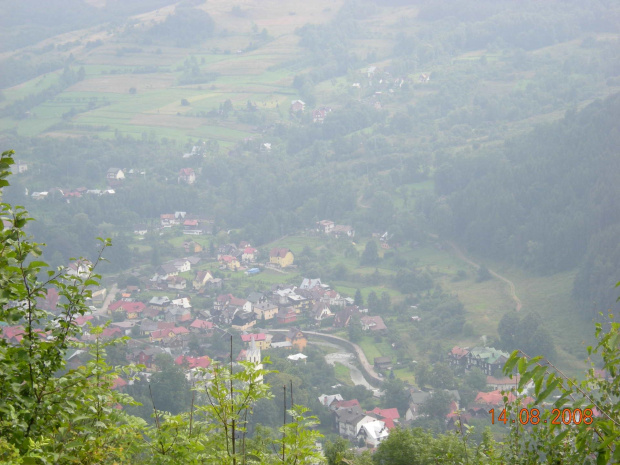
525, 378
602, 457
612, 438
511, 362
548, 390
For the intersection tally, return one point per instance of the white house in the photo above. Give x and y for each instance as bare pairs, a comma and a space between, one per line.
115, 174
373, 432
297, 357
182, 265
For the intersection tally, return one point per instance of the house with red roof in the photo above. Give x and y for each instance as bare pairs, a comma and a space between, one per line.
133, 309
262, 340
118, 383
281, 256
201, 327
193, 362
493, 398
111, 332
249, 254
187, 175
391, 413
168, 334
286, 315
81, 320
50, 301
344, 404
230, 262
388, 416
12, 334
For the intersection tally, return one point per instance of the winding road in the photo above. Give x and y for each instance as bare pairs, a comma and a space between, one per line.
371, 374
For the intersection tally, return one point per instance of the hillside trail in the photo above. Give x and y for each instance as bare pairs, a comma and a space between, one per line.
359, 202
511, 285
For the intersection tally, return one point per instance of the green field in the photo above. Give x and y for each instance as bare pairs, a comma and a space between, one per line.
343, 374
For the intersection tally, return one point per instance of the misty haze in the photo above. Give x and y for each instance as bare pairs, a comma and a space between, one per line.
286, 232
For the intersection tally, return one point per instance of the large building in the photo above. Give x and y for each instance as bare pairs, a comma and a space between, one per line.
281, 256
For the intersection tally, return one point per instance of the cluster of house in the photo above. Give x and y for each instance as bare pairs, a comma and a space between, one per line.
191, 225
311, 300
114, 178
318, 114
367, 428
492, 398
163, 326
70, 194
169, 322
235, 257
337, 230
167, 275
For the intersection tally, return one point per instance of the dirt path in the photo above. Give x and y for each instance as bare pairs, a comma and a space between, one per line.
511, 285
359, 202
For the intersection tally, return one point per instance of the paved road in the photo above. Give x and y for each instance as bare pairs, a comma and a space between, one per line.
367, 367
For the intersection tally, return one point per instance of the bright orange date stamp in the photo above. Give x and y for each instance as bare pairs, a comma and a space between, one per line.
531, 416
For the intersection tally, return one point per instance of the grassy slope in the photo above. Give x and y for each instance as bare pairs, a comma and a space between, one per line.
485, 303
259, 75
263, 75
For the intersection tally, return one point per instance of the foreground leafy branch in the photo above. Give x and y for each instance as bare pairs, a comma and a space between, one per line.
593, 434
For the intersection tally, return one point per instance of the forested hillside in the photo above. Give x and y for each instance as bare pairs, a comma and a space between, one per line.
546, 201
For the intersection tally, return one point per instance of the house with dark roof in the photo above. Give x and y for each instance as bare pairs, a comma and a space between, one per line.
165, 271
297, 339
488, 359
321, 311
343, 317
265, 310
114, 176
383, 363
242, 321
201, 279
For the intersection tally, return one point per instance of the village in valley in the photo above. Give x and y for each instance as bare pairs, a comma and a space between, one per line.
184, 312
